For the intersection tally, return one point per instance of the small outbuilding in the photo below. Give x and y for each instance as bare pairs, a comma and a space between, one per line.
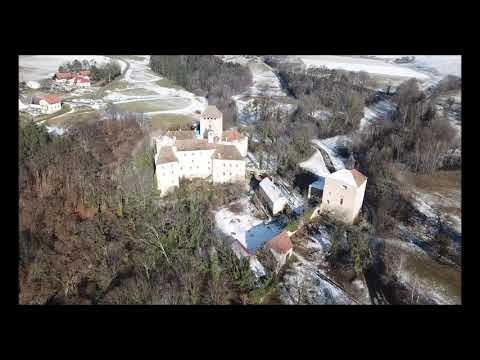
50, 104
281, 247
272, 196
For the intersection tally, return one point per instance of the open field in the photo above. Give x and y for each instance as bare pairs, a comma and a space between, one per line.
74, 117
441, 282
153, 105
360, 64
137, 92
166, 122
168, 84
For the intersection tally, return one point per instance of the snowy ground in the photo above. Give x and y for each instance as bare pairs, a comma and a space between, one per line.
140, 77
316, 165
443, 64
373, 66
264, 83
329, 145
381, 110
304, 282
421, 272
38, 67
139, 91
249, 230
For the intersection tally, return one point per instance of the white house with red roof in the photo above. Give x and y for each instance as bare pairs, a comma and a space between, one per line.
50, 104
82, 82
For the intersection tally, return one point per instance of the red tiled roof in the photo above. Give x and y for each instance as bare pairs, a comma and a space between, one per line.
280, 243
51, 99
82, 79
358, 176
84, 72
193, 144
211, 111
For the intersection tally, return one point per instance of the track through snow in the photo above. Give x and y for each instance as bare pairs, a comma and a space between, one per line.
265, 83
139, 76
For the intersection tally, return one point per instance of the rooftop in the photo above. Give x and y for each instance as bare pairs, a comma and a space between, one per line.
193, 144
51, 99
166, 155
280, 243
271, 190
351, 177
231, 135
211, 111
226, 152
181, 134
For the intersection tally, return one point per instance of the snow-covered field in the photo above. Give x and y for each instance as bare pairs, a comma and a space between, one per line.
250, 231
38, 67
444, 64
140, 77
372, 66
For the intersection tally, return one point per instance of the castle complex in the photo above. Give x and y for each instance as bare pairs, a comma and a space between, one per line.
207, 153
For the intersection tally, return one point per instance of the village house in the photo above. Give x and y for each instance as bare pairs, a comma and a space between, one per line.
343, 194
187, 154
62, 78
49, 104
281, 247
82, 82
271, 196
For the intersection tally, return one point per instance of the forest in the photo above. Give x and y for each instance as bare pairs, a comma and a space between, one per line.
92, 230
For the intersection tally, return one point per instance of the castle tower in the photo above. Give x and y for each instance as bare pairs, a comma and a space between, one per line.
211, 119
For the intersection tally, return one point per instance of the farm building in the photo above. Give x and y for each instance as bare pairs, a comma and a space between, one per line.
50, 104
82, 82
281, 247
343, 194
185, 154
272, 196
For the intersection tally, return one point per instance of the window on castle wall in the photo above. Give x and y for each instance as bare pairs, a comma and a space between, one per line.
341, 201
344, 187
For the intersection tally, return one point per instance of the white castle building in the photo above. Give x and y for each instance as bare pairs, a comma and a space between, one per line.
211, 153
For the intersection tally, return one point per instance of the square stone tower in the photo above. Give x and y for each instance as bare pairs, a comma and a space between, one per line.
211, 120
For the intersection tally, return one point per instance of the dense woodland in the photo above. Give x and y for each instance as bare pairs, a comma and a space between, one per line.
206, 75
92, 230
